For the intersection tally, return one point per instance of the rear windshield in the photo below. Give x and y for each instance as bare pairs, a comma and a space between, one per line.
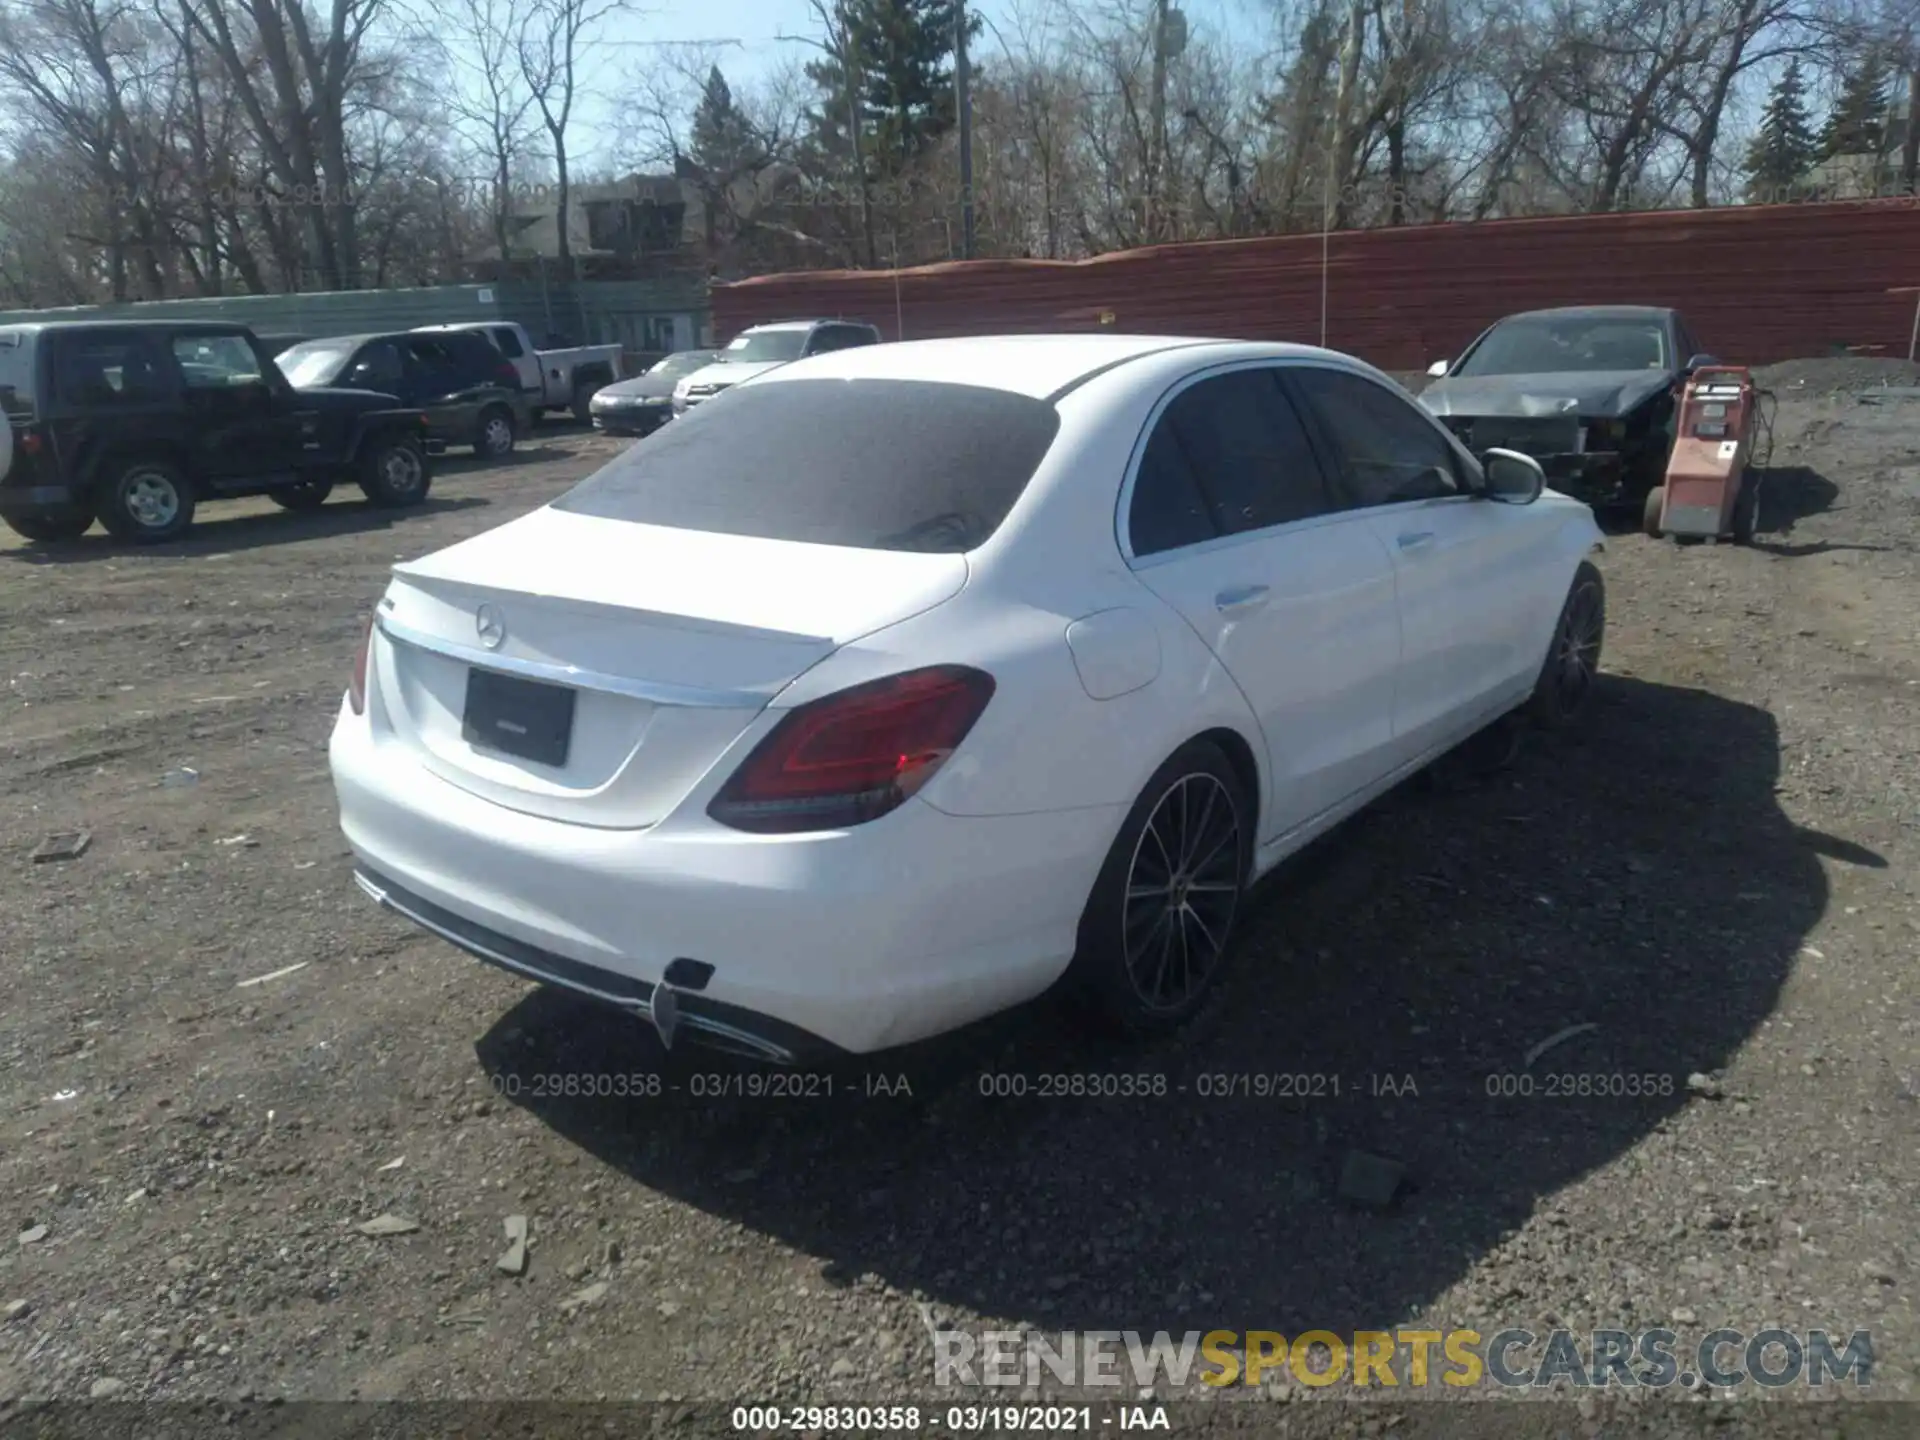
869, 464
314, 363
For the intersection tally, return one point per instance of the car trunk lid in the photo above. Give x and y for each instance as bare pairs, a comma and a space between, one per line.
616, 661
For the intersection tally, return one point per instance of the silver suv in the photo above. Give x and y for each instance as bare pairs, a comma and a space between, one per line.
761, 348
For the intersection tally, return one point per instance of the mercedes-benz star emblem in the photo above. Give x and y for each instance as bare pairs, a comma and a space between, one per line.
493, 630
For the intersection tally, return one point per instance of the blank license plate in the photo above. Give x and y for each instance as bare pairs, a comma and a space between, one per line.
517, 717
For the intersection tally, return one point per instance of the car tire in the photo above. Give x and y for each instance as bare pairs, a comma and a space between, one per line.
1572, 665
307, 495
393, 473
494, 439
52, 529
146, 502
1142, 938
584, 391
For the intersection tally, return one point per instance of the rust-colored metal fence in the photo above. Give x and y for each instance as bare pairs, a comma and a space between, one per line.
1757, 283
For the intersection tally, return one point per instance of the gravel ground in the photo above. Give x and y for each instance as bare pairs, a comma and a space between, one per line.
1715, 875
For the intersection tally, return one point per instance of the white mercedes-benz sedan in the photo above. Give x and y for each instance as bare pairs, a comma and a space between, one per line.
898, 685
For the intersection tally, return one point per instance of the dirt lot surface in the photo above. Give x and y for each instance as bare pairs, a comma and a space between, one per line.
1715, 875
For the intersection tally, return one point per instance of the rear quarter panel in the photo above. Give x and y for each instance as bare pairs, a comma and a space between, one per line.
1044, 742
90, 446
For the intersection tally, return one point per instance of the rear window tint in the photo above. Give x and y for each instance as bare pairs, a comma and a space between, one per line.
869, 464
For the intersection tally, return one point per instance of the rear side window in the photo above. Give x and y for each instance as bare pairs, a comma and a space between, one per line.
107, 368
510, 345
434, 357
868, 464
1228, 455
472, 358
376, 365
1168, 510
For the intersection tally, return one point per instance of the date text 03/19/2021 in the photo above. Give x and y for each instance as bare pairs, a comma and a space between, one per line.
994, 1085
701, 1085
823, 1420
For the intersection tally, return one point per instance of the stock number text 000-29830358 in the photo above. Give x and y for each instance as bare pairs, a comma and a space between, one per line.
909, 1419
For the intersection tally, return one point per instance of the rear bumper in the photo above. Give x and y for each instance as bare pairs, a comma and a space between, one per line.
855, 940
709, 1022
26, 502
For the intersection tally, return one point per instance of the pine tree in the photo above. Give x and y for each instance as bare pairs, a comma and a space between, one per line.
902, 56
1857, 123
722, 142
1784, 147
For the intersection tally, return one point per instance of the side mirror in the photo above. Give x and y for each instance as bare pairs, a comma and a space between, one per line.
1513, 478
1438, 369
1700, 362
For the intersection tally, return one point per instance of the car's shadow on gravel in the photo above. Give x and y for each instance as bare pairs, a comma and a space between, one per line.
216, 534
1638, 879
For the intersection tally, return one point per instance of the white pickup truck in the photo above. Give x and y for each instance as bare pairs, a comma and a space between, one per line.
553, 379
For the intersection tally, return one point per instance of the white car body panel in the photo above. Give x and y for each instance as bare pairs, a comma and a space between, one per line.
1315, 655
688, 648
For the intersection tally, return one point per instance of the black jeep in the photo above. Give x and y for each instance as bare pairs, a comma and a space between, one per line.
132, 423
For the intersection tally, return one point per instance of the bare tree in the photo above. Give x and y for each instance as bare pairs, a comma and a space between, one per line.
80, 65
489, 99
299, 114
551, 36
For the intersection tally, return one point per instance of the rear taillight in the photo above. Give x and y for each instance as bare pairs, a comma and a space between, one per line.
853, 757
357, 686
30, 442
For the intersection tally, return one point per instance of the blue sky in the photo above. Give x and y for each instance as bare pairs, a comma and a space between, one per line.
757, 24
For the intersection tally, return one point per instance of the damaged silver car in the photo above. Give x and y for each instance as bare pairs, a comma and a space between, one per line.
1587, 391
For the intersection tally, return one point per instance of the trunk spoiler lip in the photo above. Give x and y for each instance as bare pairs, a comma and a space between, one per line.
439, 587
653, 691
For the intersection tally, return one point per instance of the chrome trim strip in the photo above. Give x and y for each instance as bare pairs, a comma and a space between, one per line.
755, 1044
654, 691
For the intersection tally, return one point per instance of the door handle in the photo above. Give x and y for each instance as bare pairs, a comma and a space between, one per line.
1416, 540
1240, 597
